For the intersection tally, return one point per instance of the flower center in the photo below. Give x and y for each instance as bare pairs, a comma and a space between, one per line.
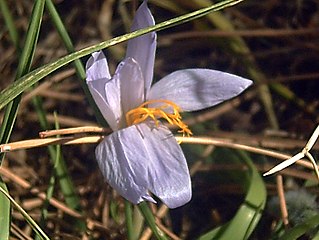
143, 112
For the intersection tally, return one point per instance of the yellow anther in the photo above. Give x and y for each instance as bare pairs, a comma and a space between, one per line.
167, 110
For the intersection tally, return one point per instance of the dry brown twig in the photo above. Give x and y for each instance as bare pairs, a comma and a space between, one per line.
47, 139
221, 142
303, 153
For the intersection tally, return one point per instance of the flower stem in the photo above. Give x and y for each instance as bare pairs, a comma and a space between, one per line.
129, 220
149, 217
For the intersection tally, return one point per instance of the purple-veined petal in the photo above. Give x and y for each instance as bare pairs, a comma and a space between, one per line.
97, 67
130, 77
196, 89
124, 163
168, 175
142, 48
102, 88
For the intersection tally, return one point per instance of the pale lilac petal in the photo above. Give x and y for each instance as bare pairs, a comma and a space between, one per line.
130, 77
97, 67
105, 109
124, 163
139, 158
142, 48
196, 89
168, 175
103, 89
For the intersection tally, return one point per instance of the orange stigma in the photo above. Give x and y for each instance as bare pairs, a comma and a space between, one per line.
143, 112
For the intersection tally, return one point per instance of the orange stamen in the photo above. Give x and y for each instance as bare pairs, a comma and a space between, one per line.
141, 113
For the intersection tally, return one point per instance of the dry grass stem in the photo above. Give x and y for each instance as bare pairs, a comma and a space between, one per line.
304, 153
26, 185
76, 130
282, 199
48, 141
95, 139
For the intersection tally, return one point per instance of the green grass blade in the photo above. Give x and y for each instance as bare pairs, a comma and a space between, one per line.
46, 204
31, 222
50, 190
60, 168
249, 213
12, 108
8, 19
134, 221
31, 40
57, 21
28, 80
298, 231
5, 216
23, 67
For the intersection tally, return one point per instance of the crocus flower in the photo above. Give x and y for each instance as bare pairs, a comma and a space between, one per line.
141, 156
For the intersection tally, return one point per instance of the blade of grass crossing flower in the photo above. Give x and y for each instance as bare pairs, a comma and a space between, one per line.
57, 21
249, 213
23, 68
26, 216
5, 216
149, 217
28, 80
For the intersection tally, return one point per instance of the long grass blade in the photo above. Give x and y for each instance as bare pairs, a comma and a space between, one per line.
58, 23
5, 216
28, 80
60, 168
8, 19
26, 216
298, 231
24, 66
250, 211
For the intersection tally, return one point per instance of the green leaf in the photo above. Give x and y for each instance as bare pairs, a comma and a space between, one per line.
299, 230
26, 216
134, 221
9, 22
57, 21
5, 216
28, 80
24, 66
60, 166
249, 213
